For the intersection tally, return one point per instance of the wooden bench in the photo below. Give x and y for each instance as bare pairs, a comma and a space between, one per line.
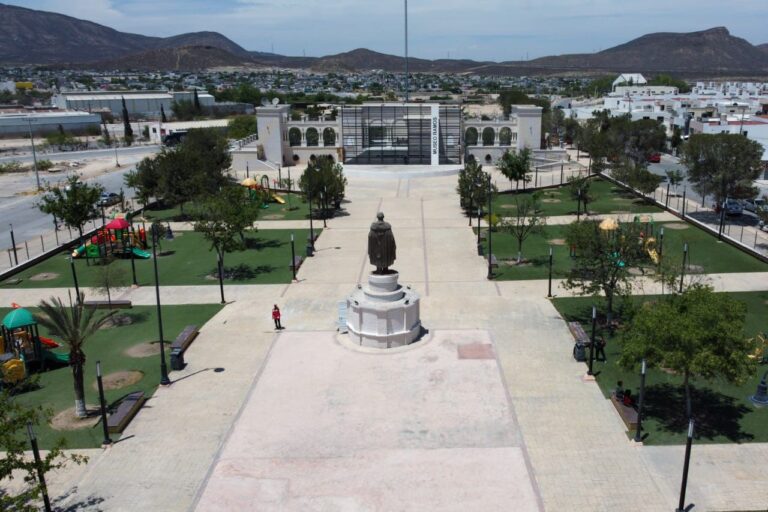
296, 262
579, 333
627, 413
186, 337
118, 420
103, 304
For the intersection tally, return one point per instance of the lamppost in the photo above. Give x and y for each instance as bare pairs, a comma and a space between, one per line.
102, 405
311, 245
293, 256
549, 288
684, 483
592, 341
117, 163
490, 252
39, 466
13, 246
220, 266
661, 242
164, 380
638, 430
34, 153
682, 269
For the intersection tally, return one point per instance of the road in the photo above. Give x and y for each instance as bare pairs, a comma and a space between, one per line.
22, 211
84, 155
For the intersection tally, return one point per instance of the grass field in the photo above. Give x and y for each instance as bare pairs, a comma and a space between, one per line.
722, 411
56, 390
705, 253
557, 201
187, 260
295, 208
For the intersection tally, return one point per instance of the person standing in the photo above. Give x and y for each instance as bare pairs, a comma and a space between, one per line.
276, 317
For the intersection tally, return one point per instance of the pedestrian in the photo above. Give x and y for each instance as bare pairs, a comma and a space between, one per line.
276, 317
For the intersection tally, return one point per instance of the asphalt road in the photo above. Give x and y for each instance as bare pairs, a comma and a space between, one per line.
22, 211
84, 155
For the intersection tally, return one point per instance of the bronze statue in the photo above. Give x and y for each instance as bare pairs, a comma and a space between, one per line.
381, 245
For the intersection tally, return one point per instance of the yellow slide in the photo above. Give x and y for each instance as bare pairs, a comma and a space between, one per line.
276, 198
650, 248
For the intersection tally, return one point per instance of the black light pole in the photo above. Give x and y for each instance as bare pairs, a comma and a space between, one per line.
479, 212
311, 228
682, 270
13, 246
592, 341
74, 278
133, 261
666, 202
102, 405
639, 429
221, 275
39, 465
289, 188
684, 483
293, 256
549, 289
324, 199
661, 242
490, 267
164, 380
471, 207
683, 207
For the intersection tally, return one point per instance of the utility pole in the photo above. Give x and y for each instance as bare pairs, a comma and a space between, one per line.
34, 153
407, 86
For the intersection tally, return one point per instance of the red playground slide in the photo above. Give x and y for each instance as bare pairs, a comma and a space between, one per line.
48, 342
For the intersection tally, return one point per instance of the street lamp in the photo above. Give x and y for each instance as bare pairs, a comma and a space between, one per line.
592, 341
164, 380
684, 483
102, 405
34, 153
74, 278
117, 163
293, 256
682, 270
39, 466
490, 252
549, 289
638, 430
13, 246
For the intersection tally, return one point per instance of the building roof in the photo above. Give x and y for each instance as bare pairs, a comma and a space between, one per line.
635, 78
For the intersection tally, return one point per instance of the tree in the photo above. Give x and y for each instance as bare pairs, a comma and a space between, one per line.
603, 259
324, 181
473, 186
675, 177
110, 278
163, 118
144, 180
183, 110
74, 205
196, 101
696, 334
724, 165
127, 130
240, 127
637, 176
525, 222
578, 188
223, 220
516, 166
15, 462
73, 324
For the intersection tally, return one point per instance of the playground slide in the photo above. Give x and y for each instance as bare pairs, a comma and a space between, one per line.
141, 254
654, 256
78, 252
278, 199
53, 356
48, 342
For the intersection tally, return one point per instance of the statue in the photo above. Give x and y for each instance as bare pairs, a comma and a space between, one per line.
381, 245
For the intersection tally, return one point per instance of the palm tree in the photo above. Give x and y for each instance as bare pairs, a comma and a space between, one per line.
73, 324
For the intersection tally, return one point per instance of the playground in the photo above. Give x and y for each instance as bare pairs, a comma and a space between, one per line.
183, 260
724, 413
118, 348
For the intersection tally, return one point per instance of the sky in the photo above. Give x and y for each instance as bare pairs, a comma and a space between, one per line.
467, 29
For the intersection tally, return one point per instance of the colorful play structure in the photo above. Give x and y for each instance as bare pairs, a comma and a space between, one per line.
116, 238
22, 347
648, 242
261, 192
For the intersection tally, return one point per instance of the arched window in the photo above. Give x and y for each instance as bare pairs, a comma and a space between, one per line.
294, 137
488, 159
489, 135
470, 136
313, 138
505, 137
329, 137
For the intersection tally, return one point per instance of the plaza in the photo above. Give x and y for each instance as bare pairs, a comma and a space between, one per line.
487, 411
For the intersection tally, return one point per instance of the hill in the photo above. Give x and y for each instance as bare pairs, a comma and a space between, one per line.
185, 58
212, 39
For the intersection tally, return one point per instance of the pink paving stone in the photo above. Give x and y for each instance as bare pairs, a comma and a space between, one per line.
476, 351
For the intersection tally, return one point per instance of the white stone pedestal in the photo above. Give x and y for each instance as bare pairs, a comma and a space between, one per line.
383, 314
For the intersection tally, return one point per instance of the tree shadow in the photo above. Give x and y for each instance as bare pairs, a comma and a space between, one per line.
242, 272
715, 414
263, 243
87, 503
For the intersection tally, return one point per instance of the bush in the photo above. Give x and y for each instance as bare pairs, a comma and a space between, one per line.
44, 165
12, 166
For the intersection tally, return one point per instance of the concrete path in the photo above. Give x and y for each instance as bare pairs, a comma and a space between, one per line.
297, 421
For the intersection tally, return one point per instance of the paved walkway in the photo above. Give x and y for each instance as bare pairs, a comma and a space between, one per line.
288, 422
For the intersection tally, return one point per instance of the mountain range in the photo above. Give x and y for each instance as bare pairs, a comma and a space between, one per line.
46, 38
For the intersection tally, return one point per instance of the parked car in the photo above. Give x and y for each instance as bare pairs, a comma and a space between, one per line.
733, 207
654, 158
754, 205
108, 199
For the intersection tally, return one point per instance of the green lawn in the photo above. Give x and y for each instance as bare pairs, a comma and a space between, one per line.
188, 261
705, 253
557, 201
723, 412
295, 208
56, 391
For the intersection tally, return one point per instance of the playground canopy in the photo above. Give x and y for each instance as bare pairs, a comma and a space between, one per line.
249, 182
118, 223
18, 318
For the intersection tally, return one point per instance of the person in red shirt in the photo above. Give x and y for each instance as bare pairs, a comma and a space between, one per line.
276, 317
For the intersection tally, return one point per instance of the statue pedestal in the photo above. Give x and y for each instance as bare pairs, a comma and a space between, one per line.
383, 314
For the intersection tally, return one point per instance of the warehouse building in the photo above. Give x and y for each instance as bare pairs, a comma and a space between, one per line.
138, 103
18, 123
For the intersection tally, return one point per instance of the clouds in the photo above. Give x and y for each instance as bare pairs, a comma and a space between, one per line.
478, 29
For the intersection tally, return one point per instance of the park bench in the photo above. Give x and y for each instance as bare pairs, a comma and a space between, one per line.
129, 406
627, 413
296, 262
103, 304
185, 338
578, 332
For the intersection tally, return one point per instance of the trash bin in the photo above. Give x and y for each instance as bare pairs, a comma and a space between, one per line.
310, 251
177, 359
579, 351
